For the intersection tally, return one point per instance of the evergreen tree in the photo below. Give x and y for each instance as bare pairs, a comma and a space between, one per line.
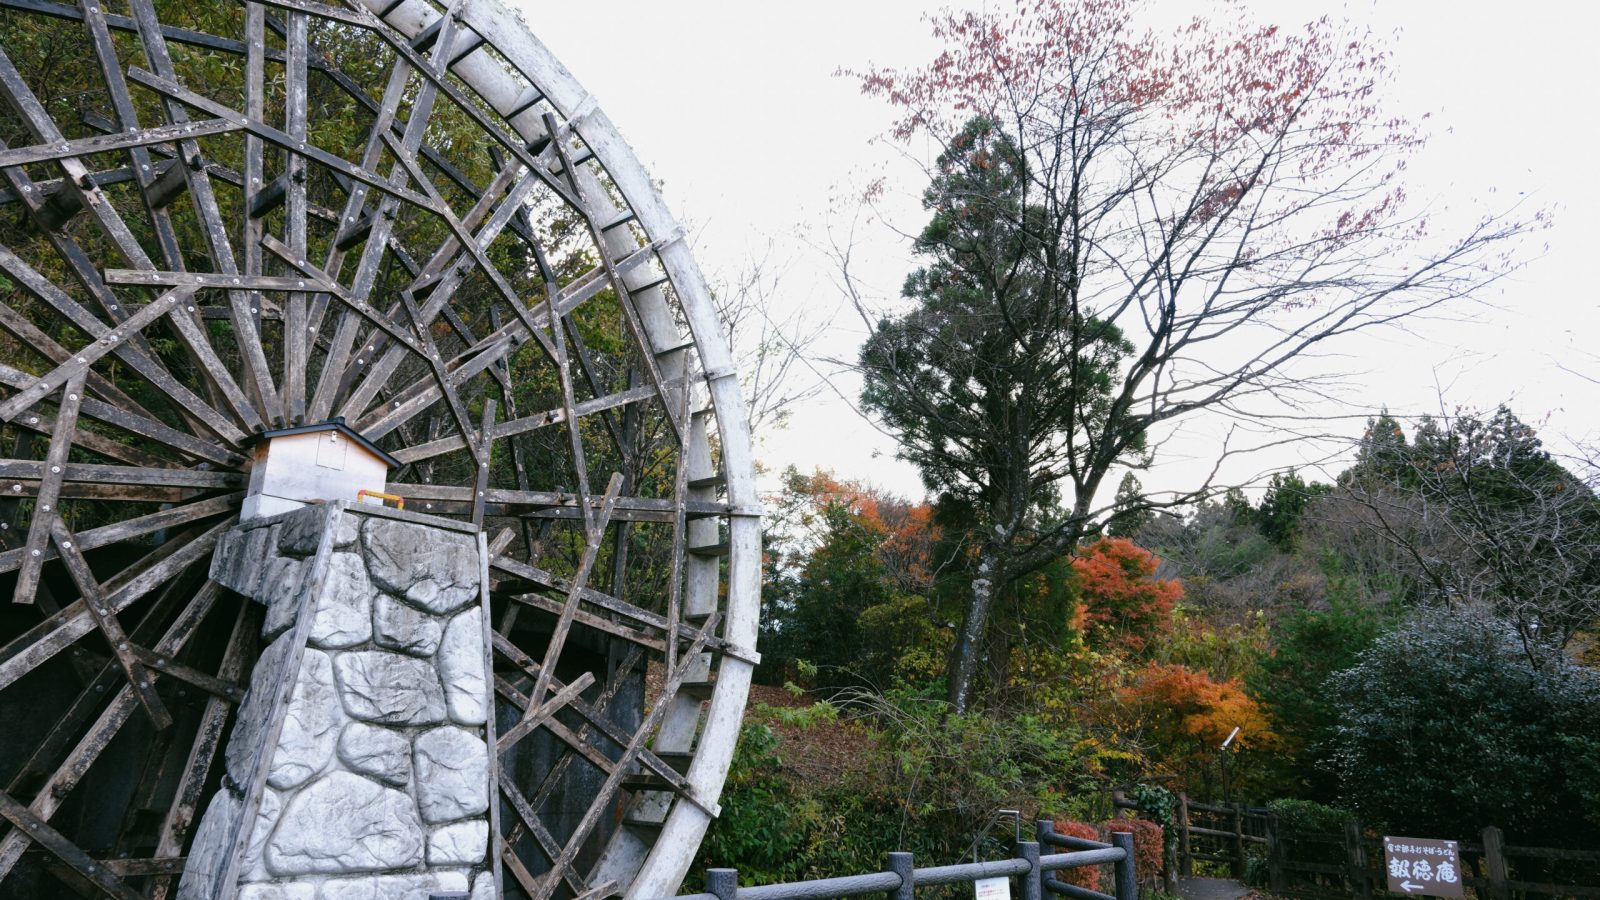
1283, 506
1130, 512
994, 378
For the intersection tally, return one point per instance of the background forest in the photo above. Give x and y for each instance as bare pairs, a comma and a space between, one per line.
1412, 644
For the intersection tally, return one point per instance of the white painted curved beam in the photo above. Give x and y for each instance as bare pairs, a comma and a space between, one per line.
647, 870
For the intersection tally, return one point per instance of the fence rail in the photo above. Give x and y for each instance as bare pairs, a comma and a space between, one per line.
1031, 870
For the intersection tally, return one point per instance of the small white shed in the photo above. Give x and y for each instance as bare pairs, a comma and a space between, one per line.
328, 461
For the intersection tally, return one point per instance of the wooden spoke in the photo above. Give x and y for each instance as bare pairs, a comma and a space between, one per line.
439, 279
593, 530
129, 657
634, 748
180, 817
533, 718
62, 150
36, 829
126, 348
615, 279
69, 725
93, 743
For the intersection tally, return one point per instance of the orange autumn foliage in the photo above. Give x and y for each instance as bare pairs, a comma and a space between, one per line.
904, 531
1148, 841
1121, 600
1186, 715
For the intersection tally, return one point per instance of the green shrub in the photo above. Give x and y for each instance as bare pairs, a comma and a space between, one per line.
932, 781
1255, 871
1452, 722
1309, 817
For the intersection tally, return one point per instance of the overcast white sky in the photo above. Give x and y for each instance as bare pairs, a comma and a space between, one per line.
734, 107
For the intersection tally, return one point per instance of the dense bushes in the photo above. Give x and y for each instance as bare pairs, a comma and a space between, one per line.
1308, 816
1148, 838
1083, 876
1452, 722
922, 781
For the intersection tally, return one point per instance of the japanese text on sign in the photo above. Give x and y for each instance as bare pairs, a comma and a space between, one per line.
1422, 866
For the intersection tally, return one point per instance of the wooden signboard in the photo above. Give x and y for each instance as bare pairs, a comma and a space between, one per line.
1422, 866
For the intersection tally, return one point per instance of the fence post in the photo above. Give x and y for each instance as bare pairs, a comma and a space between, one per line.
1126, 878
900, 863
1041, 828
1275, 851
1169, 861
1032, 882
1185, 854
1238, 841
724, 883
1494, 860
1356, 861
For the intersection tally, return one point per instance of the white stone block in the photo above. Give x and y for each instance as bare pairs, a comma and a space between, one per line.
346, 528
266, 680
400, 627
391, 887
212, 843
460, 844
343, 823
451, 771
343, 617
438, 598
292, 891
390, 689
302, 532
442, 567
461, 668
282, 592
310, 724
378, 752
253, 866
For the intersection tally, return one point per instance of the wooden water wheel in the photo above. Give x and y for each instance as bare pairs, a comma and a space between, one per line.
219, 219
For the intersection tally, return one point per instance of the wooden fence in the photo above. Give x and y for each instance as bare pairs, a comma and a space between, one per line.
1313, 866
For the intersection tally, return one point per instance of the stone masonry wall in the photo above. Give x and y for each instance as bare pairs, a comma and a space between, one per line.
361, 749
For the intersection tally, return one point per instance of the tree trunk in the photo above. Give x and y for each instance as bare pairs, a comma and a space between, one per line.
969, 643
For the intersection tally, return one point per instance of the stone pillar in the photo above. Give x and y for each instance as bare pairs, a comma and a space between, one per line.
359, 767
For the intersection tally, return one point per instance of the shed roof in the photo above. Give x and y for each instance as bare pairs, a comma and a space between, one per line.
335, 424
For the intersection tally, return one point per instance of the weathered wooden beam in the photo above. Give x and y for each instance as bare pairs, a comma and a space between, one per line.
30, 650
94, 600
601, 805
99, 473
322, 157
57, 739
180, 816
162, 134
130, 350
533, 718
110, 721
213, 224
46, 500
528, 819
35, 829
590, 620
593, 534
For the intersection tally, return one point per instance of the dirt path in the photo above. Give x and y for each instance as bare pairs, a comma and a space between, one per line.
1211, 889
